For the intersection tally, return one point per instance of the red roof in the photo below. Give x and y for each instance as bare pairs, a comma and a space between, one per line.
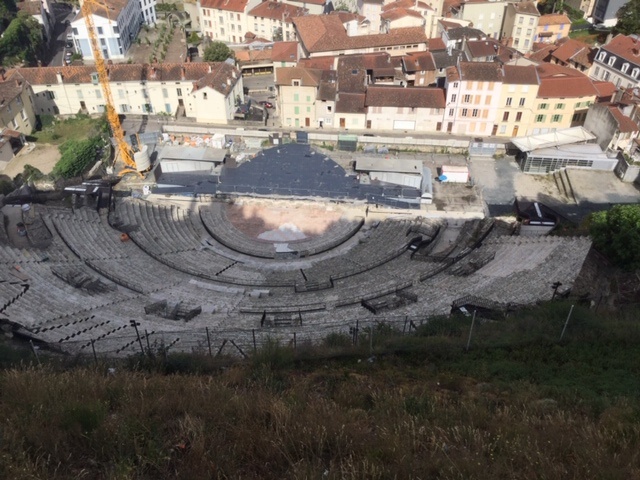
625, 47
554, 19
285, 52
277, 11
605, 89
625, 124
228, 5
557, 81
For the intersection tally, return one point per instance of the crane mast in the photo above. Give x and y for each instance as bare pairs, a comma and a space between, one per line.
124, 149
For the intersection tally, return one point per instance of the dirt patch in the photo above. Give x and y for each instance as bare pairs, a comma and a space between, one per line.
164, 44
43, 157
264, 221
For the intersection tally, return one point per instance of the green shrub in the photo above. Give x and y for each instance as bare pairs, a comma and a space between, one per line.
77, 156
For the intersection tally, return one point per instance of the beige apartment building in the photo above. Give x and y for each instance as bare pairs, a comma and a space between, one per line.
297, 91
520, 25
16, 107
518, 96
206, 92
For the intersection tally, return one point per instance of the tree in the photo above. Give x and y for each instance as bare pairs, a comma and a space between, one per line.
629, 18
616, 233
194, 38
217, 52
22, 41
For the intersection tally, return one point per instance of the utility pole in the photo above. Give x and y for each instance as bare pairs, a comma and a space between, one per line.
135, 324
473, 321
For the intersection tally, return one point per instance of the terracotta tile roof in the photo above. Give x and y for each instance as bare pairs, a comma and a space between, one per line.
221, 79
11, 88
554, 19
398, 13
574, 50
328, 86
352, 74
227, 5
483, 48
308, 77
285, 52
321, 63
277, 11
528, 8
312, 2
542, 52
408, 4
419, 62
458, 33
452, 74
249, 56
391, 96
520, 75
125, 72
606, 90
32, 7
480, 71
435, 44
442, 59
624, 46
559, 81
625, 124
350, 103
326, 33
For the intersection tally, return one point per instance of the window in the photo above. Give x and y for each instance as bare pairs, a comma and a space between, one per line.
296, 110
518, 31
509, 100
204, 95
559, 106
474, 112
120, 93
526, 43
165, 93
505, 117
464, 112
611, 61
451, 112
79, 92
98, 94
296, 83
540, 118
635, 72
75, 31
329, 108
116, 30
520, 20
467, 98
296, 97
100, 31
454, 97
487, 100
528, 32
543, 106
503, 129
518, 116
521, 103
624, 68
455, 84
308, 98
606, 76
531, 21
556, 118
23, 114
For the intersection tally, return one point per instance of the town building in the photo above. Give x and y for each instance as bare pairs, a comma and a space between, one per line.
148, 10
618, 62
486, 16
41, 11
520, 25
206, 92
326, 35
297, 91
225, 20
552, 27
274, 20
605, 12
518, 93
116, 29
408, 109
616, 124
16, 107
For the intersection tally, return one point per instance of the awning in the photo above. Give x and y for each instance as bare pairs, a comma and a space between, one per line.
564, 136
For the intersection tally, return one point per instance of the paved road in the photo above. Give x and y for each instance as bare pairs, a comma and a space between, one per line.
63, 12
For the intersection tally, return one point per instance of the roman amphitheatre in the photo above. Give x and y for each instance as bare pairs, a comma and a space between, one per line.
225, 273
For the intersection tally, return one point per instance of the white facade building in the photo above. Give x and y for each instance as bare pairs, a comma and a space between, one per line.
148, 10
116, 29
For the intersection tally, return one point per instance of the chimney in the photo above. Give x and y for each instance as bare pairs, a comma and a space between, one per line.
153, 72
183, 72
58, 77
228, 81
210, 69
234, 74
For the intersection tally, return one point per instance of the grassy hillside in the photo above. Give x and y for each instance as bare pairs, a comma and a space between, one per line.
520, 404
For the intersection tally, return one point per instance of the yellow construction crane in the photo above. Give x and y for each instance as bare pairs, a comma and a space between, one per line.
126, 153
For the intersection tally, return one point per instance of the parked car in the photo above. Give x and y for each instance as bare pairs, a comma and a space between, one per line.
266, 104
69, 44
67, 57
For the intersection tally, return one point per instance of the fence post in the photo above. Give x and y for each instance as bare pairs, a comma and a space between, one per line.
135, 324
208, 341
93, 347
473, 321
566, 323
35, 352
253, 334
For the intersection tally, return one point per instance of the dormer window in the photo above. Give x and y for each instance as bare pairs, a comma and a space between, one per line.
295, 83
611, 61
624, 68
602, 56
635, 72
94, 78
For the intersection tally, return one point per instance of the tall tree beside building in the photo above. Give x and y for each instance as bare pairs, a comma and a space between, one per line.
22, 41
217, 52
616, 233
629, 18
